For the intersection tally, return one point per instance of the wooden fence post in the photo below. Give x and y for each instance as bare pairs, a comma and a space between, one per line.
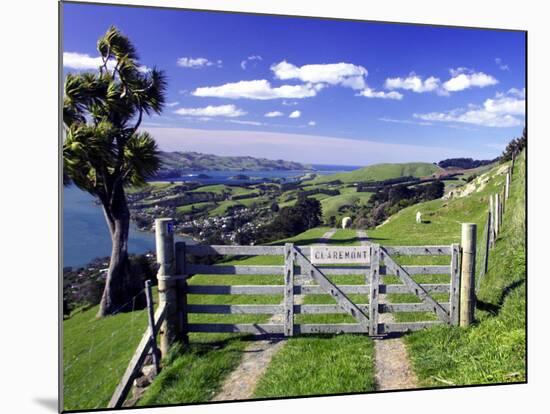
151, 316
455, 285
164, 235
492, 222
467, 280
374, 288
181, 289
487, 242
497, 214
289, 290
507, 188
513, 162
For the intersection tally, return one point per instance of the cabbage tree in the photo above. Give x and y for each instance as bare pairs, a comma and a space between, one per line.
104, 150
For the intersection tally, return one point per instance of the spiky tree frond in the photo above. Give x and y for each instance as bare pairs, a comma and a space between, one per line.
100, 153
114, 45
141, 158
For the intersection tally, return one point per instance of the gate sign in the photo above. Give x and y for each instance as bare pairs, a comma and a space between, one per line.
336, 255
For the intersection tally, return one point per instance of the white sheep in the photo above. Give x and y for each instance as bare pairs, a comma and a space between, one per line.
418, 217
346, 222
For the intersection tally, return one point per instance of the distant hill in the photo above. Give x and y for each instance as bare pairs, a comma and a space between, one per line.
464, 163
380, 172
175, 164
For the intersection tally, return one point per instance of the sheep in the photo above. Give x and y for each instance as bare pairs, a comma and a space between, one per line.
346, 222
418, 217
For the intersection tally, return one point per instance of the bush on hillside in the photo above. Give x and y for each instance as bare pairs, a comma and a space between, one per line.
390, 200
305, 214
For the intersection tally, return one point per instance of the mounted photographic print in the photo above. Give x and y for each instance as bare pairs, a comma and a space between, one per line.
260, 206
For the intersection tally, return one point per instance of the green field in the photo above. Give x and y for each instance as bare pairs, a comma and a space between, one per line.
331, 205
380, 172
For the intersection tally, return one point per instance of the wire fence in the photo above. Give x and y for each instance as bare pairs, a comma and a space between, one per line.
96, 353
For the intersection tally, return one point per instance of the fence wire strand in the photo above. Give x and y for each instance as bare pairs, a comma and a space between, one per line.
95, 382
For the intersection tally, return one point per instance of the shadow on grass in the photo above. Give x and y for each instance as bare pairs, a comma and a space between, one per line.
494, 309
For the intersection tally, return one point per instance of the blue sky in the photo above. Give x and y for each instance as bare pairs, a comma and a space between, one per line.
317, 91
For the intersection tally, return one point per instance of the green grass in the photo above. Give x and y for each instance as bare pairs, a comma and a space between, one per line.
95, 355
315, 365
381, 172
197, 207
224, 205
493, 350
222, 188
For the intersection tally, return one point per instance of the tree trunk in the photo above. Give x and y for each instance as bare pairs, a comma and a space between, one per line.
123, 291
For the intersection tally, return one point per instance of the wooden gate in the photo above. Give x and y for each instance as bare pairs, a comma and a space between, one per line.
316, 279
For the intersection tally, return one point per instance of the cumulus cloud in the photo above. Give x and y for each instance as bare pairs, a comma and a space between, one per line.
83, 61
172, 104
501, 65
295, 114
251, 61
289, 103
519, 93
463, 78
312, 123
505, 110
343, 74
371, 93
273, 114
413, 83
199, 62
258, 89
229, 111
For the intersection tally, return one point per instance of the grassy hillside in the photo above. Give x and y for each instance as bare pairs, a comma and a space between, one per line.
493, 351
380, 172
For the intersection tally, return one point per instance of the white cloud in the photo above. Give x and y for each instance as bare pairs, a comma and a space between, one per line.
404, 121
413, 83
273, 114
289, 103
501, 65
199, 62
371, 93
236, 121
295, 114
251, 60
463, 78
210, 111
520, 93
144, 69
312, 123
83, 61
343, 74
503, 111
172, 104
258, 89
